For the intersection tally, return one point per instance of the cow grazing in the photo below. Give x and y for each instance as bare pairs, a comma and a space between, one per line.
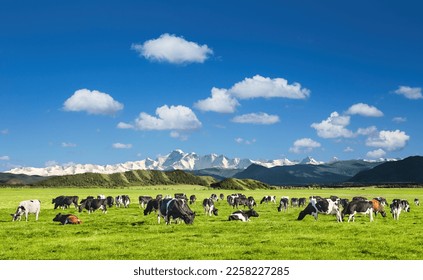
344, 202
405, 205
209, 207
358, 207
175, 209
378, 207
283, 204
110, 201
143, 200
65, 201
92, 205
396, 208
67, 219
302, 202
416, 202
122, 200
222, 196
268, 198
152, 205
382, 200
214, 197
181, 196
359, 198
192, 199
26, 207
323, 206
243, 216
294, 202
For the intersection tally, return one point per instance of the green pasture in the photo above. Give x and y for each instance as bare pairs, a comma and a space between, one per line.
126, 234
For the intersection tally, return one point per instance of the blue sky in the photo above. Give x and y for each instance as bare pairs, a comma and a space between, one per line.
105, 82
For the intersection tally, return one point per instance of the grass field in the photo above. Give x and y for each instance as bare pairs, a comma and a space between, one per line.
126, 234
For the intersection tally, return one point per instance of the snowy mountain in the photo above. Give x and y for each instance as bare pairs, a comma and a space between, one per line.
177, 159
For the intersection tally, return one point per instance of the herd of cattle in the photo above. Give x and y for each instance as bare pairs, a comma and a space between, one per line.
178, 209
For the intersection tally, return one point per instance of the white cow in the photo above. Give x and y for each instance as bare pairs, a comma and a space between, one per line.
26, 207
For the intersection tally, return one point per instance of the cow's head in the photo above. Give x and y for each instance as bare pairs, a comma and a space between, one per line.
253, 213
18, 213
215, 211
57, 218
189, 219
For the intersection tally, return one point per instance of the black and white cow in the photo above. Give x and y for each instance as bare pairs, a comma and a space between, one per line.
209, 207
294, 202
283, 204
67, 219
214, 197
243, 216
143, 200
359, 198
405, 205
175, 209
152, 205
26, 207
65, 201
192, 199
110, 201
358, 207
396, 208
181, 196
323, 206
416, 202
302, 201
92, 205
268, 198
222, 196
123, 200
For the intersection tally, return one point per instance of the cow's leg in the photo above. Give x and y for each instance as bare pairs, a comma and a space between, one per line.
371, 215
26, 216
36, 215
314, 214
158, 218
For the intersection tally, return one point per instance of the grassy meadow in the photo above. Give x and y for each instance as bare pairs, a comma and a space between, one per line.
126, 234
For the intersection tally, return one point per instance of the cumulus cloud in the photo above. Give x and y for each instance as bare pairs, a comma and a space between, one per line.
410, 92
259, 86
389, 140
123, 125
121, 146
4, 158
168, 118
333, 127
304, 145
376, 153
348, 149
172, 49
256, 118
93, 102
364, 110
220, 101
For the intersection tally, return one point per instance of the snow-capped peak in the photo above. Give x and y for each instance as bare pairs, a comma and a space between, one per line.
310, 160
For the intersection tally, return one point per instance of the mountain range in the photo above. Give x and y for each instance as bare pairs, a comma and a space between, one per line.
176, 160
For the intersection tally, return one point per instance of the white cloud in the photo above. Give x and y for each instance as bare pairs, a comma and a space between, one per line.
4, 131
178, 135
367, 131
304, 145
168, 118
93, 102
240, 140
399, 119
409, 92
389, 140
256, 118
364, 110
376, 153
4, 158
123, 125
68, 145
259, 86
348, 149
173, 49
220, 101
121, 146
333, 127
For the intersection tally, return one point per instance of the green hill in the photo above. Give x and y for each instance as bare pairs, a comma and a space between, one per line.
129, 178
239, 184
